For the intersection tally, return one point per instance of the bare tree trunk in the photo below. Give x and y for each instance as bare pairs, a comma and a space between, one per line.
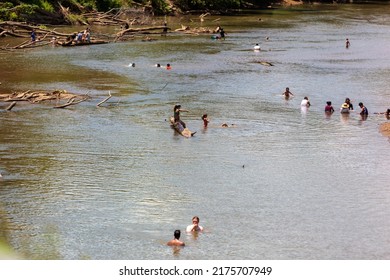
9, 108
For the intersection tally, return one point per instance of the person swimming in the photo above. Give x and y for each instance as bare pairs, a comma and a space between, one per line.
175, 241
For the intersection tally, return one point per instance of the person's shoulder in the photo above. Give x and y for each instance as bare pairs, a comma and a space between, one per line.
175, 243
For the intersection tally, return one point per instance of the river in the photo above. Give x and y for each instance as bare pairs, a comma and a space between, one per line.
114, 182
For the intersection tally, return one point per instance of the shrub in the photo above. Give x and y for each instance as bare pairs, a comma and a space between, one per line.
45, 5
160, 7
207, 4
105, 5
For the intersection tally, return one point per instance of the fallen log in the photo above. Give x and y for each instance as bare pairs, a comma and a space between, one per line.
9, 108
75, 43
70, 102
36, 96
109, 96
135, 30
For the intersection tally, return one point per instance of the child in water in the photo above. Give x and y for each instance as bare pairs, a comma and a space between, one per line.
205, 120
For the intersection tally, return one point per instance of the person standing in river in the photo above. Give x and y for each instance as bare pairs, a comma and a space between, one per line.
287, 94
195, 227
350, 105
305, 102
176, 114
364, 111
222, 33
329, 108
165, 30
33, 36
347, 44
205, 120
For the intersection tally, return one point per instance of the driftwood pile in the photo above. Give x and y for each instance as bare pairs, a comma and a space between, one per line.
116, 17
42, 96
62, 98
45, 36
126, 19
22, 30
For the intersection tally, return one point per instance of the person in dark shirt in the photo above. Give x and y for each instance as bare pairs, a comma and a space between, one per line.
176, 114
348, 101
364, 111
205, 120
329, 108
33, 36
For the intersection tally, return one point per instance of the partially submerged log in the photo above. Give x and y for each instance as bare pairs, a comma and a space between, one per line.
194, 30
138, 30
18, 29
105, 100
42, 96
71, 101
76, 44
9, 108
45, 36
36, 96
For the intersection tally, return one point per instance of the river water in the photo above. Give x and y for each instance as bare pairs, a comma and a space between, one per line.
114, 182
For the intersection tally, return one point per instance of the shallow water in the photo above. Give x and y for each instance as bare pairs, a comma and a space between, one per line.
114, 182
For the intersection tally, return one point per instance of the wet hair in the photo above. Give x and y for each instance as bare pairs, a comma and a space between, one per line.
329, 103
177, 233
178, 106
360, 104
195, 218
204, 116
388, 112
347, 100
306, 98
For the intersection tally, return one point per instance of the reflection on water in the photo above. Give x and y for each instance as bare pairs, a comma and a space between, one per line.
114, 182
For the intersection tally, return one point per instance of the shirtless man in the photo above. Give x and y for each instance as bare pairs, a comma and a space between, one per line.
175, 241
287, 94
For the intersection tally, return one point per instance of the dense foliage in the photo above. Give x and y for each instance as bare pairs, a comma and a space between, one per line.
41, 10
30, 10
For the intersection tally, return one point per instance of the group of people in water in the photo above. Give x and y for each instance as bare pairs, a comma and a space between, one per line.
194, 227
158, 65
176, 116
168, 67
346, 107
